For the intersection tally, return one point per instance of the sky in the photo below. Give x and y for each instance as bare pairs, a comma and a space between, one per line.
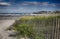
28, 6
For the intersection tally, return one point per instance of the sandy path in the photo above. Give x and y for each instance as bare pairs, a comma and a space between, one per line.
3, 25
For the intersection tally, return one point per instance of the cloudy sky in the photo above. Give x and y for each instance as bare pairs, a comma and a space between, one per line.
28, 6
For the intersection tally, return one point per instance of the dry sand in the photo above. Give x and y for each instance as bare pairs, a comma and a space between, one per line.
4, 24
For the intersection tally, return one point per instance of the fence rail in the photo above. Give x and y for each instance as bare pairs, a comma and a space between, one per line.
52, 27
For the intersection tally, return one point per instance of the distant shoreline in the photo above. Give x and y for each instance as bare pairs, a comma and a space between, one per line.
18, 16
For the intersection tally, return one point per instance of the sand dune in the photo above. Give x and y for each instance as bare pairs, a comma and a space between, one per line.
3, 25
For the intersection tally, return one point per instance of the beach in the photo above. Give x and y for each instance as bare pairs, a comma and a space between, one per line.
4, 24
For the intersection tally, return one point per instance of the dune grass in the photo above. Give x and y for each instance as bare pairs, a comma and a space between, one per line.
35, 27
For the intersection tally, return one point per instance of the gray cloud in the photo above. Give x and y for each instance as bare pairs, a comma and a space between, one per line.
19, 8
4, 3
40, 4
